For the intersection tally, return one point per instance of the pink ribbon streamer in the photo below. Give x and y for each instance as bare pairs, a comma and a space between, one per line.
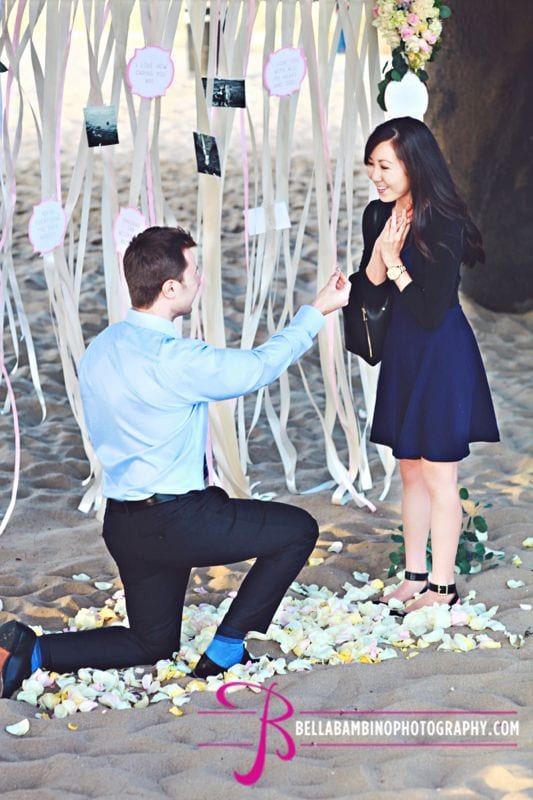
16, 431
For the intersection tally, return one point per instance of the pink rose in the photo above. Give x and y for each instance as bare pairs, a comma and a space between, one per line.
424, 47
406, 32
429, 37
375, 12
412, 19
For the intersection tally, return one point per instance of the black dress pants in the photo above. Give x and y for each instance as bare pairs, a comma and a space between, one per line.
155, 548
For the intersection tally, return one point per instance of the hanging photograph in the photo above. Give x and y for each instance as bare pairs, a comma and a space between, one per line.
227, 93
101, 125
207, 158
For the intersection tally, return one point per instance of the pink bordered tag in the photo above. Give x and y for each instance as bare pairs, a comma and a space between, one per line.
128, 223
150, 71
284, 71
47, 226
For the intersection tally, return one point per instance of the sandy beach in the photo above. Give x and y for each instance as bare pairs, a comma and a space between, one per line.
151, 753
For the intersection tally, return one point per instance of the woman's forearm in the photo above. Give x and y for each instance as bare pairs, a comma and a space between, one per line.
376, 270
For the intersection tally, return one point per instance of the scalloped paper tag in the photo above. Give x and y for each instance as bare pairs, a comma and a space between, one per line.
284, 71
128, 223
47, 226
150, 71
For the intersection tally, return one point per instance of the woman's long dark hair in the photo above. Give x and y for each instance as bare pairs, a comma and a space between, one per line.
431, 183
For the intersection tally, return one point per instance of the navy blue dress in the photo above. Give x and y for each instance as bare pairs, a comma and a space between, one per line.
433, 397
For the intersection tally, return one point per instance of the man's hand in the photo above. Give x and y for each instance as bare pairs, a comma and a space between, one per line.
334, 295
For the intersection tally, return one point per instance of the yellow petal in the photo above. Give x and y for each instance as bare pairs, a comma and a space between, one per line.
365, 660
528, 542
377, 584
72, 727
516, 561
314, 562
178, 712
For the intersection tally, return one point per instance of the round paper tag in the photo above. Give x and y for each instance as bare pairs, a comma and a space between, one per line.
47, 226
284, 71
128, 223
150, 71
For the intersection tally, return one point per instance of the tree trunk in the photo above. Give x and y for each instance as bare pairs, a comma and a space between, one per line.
481, 111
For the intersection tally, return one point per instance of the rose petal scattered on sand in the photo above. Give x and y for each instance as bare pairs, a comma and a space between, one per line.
176, 711
335, 547
72, 727
516, 561
512, 584
528, 542
103, 585
81, 577
314, 561
361, 576
314, 624
525, 606
19, 728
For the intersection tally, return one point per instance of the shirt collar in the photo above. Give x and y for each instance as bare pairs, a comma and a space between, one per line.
142, 319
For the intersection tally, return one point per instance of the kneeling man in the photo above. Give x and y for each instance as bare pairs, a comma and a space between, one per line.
145, 393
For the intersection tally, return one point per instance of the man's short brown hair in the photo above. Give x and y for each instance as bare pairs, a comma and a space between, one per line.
153, 257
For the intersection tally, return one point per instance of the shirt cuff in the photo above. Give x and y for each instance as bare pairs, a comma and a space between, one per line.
310, 318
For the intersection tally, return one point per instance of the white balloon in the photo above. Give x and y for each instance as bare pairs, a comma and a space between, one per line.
407, 98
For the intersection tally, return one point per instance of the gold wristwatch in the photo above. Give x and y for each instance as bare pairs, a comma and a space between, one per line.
393, 273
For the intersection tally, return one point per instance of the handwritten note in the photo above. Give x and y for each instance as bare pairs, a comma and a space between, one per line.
47, 226
150, 71
284, 71
128, 223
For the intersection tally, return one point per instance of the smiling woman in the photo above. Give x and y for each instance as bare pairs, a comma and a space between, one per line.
432, 396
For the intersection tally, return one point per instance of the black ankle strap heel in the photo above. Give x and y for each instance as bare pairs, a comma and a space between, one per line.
443, 588
415, 576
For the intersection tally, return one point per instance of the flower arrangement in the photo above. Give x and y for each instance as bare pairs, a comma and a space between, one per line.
413, 30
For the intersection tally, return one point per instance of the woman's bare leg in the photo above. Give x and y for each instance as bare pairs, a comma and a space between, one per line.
440, 479
416, 518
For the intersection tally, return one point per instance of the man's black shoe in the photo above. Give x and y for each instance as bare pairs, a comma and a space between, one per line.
207, 667
16, 647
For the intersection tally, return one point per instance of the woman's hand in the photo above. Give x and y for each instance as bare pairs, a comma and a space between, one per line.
392, 238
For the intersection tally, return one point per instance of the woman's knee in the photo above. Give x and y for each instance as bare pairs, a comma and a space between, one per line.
440, 477
411, 471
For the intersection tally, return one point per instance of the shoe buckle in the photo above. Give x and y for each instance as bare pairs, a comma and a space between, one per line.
441, 588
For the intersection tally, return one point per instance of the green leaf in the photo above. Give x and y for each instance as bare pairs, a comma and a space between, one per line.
463, 493
422, 74
480, 524
392, 571
464, 567
470, 536
381, 101
489, 555
487, 505
479, 550
3, 67
397, 537
445, 12
394, 557
385, 65
395, 75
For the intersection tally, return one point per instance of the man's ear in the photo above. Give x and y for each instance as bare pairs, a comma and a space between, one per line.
169, 288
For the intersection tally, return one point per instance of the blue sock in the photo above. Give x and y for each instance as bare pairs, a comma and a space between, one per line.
225, 651
36, 657
36, 662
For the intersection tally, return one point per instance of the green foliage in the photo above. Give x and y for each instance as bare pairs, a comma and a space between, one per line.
472, 551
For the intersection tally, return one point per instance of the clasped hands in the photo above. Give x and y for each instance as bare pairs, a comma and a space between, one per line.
390, 242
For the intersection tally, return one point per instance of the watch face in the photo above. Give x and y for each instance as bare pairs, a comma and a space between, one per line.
394, 273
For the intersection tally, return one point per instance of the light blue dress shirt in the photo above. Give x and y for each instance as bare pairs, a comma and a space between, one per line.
145, 392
